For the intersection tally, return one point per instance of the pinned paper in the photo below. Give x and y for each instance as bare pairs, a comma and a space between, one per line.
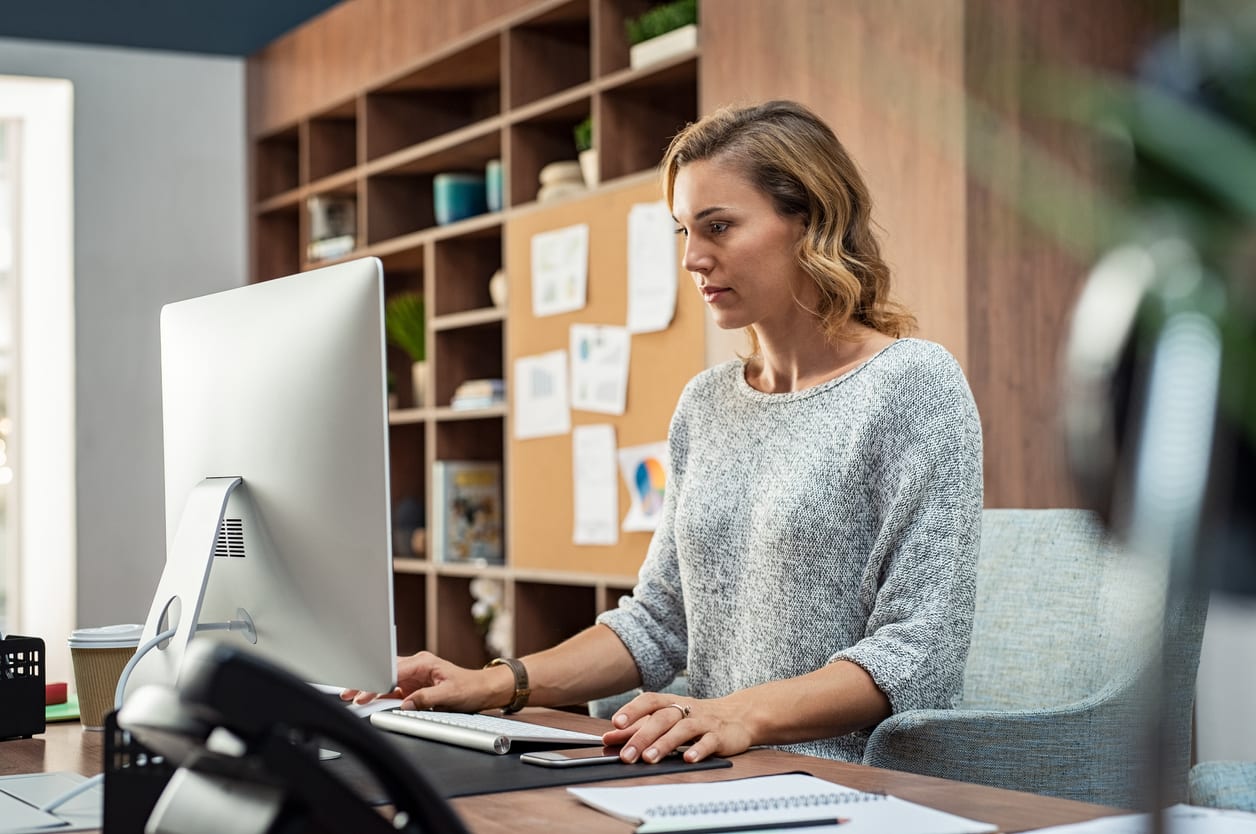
596, 491
651, 267
541, 407
599, 368
560, 270
644, 469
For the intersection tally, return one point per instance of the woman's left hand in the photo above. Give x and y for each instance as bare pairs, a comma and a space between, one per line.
652, 725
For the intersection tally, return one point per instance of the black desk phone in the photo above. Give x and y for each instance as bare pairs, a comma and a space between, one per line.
244, 736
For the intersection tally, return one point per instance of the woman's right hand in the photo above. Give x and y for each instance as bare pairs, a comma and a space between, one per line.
425, 681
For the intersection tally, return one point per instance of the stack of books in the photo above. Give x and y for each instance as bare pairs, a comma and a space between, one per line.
479, 393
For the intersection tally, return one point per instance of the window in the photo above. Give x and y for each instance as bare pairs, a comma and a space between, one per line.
37, 478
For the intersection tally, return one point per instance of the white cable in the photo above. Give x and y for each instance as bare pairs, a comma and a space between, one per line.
233, 625
130, 664
49, 807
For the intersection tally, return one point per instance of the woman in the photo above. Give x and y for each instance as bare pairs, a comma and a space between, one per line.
814, 565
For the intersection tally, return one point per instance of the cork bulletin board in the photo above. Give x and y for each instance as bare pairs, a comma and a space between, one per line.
539, 470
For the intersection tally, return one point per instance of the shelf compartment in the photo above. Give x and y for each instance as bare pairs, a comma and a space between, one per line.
470, 440
407, 472
549, 52
462, 270
539, 140
639, 117
277, 163
400, 189
332, 141
466, 353
611, 38
277, 242
438, 98
410, 611
458, 638
546, 614
397, 205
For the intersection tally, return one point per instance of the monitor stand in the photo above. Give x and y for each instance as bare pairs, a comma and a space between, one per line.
181, 589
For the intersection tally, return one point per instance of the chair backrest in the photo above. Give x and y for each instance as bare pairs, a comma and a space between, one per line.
1061, 610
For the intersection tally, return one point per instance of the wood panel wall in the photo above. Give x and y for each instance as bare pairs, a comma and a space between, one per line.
354, 45
937, 101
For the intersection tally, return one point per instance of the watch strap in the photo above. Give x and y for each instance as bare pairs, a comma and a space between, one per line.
522, 691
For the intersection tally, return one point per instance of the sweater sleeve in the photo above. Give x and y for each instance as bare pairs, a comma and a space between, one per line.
920, 579
652, 622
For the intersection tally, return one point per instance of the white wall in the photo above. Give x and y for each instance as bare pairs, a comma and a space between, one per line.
160, 215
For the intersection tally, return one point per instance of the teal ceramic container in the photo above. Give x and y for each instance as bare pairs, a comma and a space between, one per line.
458, 196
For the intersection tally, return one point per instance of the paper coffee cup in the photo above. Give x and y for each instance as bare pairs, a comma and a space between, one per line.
99, 656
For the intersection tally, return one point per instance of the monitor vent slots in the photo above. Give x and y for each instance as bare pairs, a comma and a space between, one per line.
230, 539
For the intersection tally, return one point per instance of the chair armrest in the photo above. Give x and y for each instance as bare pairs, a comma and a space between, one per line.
1035, 750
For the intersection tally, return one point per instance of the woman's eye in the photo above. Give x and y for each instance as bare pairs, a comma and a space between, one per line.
681, 230
719, 228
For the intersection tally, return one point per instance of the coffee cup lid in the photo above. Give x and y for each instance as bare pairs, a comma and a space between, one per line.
124, 636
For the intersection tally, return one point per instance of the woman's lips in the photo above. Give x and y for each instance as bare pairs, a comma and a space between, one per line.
711, 292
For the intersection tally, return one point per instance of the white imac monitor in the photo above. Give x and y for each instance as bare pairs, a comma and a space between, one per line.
274, 399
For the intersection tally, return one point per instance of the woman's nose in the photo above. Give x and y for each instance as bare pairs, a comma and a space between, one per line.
695, 259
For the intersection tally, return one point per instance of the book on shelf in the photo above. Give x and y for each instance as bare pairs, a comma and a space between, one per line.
479, 393
466, 512
784, 800
333, 225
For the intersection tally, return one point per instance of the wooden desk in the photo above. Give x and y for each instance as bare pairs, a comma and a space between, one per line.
68, 747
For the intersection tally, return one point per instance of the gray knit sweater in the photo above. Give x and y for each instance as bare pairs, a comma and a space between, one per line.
838, 522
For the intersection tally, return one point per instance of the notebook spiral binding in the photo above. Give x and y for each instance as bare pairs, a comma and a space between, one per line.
775, 803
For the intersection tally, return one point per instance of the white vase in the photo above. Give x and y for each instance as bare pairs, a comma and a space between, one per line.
664, 46
418, 378
588, 167
497, 289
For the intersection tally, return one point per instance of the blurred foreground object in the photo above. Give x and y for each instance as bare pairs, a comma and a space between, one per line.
1160, 400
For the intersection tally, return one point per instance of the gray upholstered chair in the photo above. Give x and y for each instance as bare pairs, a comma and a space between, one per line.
1224, 785
1057, 683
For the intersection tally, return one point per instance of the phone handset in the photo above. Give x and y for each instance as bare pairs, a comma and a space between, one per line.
272, 777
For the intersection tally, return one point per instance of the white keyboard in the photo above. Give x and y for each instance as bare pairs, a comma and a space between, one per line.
490, 733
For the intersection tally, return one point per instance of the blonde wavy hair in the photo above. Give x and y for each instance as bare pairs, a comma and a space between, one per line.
786, 151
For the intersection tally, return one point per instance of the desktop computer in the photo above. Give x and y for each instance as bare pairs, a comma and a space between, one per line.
274, 410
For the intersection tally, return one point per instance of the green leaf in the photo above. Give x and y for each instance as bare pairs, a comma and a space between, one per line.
405, 323
661, 19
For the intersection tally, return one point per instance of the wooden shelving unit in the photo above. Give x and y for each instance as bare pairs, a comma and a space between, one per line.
511, 90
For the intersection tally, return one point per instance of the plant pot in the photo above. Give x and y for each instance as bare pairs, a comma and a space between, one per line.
664, 46
418, 378
588, 167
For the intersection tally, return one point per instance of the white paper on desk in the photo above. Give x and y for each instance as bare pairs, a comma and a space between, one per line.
596, 491
645, 471
599, 368
540, 384
663, 806
651, 267
560, 270
29, 791
1182, 819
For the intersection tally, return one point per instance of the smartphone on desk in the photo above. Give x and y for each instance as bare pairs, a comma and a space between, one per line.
574, 757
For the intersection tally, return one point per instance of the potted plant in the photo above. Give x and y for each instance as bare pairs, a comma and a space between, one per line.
583, 133
405, 321
664, 30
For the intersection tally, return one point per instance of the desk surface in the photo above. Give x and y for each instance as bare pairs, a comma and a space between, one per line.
67, 746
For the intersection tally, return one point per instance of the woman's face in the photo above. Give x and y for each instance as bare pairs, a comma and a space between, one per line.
740, 252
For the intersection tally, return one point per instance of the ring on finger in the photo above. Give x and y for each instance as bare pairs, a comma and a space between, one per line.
684, 710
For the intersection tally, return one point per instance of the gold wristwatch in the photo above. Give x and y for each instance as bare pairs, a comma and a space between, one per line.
522, 692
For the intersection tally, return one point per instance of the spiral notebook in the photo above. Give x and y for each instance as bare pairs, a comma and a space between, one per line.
789, 800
